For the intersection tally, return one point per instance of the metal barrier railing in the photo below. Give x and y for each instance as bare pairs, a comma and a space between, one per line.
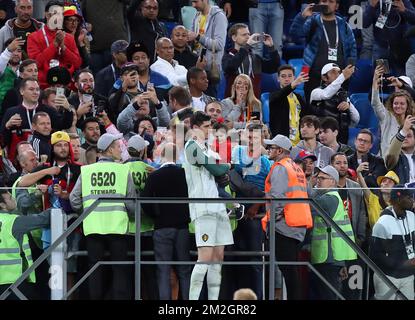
58, 240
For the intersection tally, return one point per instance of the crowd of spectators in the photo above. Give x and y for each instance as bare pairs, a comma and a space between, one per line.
143, 75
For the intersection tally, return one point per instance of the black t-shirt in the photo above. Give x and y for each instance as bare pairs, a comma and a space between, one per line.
24, 33
322, 54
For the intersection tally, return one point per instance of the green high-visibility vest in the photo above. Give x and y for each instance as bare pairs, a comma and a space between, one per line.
37, 233
232, 219
139, 173
14, 259
103, 180
320, 239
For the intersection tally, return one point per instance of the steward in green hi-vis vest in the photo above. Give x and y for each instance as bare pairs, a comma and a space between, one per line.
36, 234
139, 173
14, 260
103, 180
321, 243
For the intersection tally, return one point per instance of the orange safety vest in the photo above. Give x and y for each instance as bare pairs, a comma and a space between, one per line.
296, 214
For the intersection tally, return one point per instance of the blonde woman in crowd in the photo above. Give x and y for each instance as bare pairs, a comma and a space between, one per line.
242, 106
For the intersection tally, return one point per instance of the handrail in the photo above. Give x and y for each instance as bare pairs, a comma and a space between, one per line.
137, 261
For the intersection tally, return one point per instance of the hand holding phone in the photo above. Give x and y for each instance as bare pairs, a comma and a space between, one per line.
321, 8
60, 91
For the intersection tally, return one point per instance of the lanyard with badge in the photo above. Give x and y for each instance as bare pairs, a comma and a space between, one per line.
383, 16
407, 242
332, 52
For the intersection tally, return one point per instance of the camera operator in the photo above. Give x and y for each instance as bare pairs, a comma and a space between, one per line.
331, 99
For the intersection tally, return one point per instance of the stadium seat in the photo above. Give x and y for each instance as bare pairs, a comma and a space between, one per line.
265, 107
368, 118
169, 26
361, 81
269, 82
298, 65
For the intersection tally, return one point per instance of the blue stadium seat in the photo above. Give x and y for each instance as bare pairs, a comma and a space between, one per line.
169, 26
222, 87
361, 81
265, 107
297, 64
269, 82
368, 118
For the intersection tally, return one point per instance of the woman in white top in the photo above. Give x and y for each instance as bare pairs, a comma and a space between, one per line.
392, 115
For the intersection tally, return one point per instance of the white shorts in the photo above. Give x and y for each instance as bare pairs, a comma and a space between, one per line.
213, 230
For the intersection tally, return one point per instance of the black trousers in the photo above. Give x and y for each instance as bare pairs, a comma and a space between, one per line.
96, 245
287, 249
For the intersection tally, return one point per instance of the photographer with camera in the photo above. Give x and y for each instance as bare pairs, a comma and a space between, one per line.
331, 99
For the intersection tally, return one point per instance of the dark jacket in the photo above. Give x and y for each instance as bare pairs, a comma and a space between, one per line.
59, 121
12, 97
376, 168
159, 184
104, 80
145, 30
387, 249
279, 111
236, 62
41, 145
186, 58
397, 161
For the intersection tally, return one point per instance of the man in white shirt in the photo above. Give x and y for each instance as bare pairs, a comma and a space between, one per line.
166, 65
331, 99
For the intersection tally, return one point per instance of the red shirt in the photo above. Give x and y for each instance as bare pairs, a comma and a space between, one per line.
42, 50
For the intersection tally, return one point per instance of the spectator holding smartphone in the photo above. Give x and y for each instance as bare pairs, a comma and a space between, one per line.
400, 156
328, 39
241, 59
392, 114
390, 21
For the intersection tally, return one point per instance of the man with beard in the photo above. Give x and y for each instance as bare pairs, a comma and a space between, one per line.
124, 95
22, 25
139, 54
144, 24
9, 65
86, 100
90, 129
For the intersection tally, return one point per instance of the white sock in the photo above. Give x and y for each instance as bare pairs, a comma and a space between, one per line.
196, 280
214, 278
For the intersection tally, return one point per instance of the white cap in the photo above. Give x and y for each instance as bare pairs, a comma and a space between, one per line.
280, 141
328, 67
137, 142
331, 171
407, 80
106, 139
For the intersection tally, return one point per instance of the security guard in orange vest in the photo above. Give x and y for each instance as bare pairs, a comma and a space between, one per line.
287, 180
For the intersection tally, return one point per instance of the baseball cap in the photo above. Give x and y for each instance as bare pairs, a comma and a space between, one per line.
407, 80
128, 66
331, 171
59, 136
106, 139
136, 47
391, 175
119, 46
328, 67
304, 154
400, 191
137, 142
58, 75
280, 141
